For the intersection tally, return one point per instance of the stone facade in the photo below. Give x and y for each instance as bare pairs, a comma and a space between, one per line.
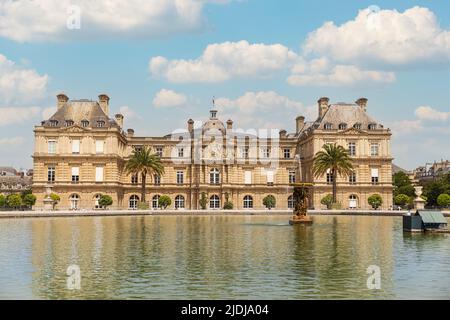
81, 152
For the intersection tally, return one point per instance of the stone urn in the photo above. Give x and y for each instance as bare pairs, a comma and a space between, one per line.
419, 203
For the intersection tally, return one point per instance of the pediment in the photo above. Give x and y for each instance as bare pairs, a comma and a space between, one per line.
73, 129
352, 130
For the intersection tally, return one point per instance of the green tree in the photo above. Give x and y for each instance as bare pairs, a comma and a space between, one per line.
375, 201
164, 201
269, 201
203, 201
433, 189
14, 200
56, 199
443, 200
2, 200
143, 162
327, 201
29, 199
334, 158
402, 199
105, 200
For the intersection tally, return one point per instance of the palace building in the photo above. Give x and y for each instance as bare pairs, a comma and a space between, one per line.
80, 153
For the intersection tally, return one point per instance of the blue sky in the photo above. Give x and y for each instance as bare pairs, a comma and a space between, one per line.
266, 62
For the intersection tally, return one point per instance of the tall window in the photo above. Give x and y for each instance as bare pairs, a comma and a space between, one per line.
75, 174
51, 146
352, 148
266, 152
290, 202
157, 180
180, 152
329, 177
180, 177
74, 200
99, 174
134, 178
374, 149
75, 146
51, 174
244, 152
214, 202
99, 146
352, 178
155, 201
287, 153
214, 176
97, 201
374, 174
248, 202
133, 202
179, 202
291, 176
159, 151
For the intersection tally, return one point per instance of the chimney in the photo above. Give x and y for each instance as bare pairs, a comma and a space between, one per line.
300, 123
103, 100
362, 103
119, 120
323, 106
130, 133
61, 100
190, 125
229, 124
282, 133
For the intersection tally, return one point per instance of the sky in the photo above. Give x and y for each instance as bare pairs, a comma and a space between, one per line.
265, 62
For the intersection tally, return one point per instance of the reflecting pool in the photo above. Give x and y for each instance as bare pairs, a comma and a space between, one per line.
220, 257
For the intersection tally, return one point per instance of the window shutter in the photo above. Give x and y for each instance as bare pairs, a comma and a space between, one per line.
248, 177
75, 146
99, 174
374, 172
75, 171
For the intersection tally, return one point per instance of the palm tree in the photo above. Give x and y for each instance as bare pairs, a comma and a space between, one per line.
143, 162
334, 158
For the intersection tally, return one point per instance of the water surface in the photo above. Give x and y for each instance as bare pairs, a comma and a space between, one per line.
220, 257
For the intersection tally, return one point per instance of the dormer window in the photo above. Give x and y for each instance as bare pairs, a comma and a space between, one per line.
69, 123
100, 124
84, 123
357, 126
342, 126
372, 126
328, 126
53, 123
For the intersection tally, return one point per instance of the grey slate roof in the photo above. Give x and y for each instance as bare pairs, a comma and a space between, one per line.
79, 110
349, 114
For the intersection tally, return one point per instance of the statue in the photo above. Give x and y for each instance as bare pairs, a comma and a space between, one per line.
300, 197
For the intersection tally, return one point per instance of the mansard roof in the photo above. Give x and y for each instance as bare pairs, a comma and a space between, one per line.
78, 111
349, 114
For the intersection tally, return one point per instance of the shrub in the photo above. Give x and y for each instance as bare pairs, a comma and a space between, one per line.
29, 200
327, 201
203, 201
164, 202
142, 206
105, 200
269, 201
402, 199
56, 198
2, 200
14, 200
443, 200
375, 201
228, 205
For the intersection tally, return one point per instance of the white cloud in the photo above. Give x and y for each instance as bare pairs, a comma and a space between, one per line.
13, 115
387, 36
4, 142
319, 72
404, 127
168, 98
128, 112
428, 113
223, 61
42, 20
18, 84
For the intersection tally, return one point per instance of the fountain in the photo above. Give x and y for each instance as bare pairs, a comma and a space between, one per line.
300, 197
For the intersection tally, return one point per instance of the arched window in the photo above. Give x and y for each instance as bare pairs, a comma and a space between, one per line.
357, 126
248, 202
69, 123
53, 123
100, 124
74, 201
96, 201
179, 202
155, 201
214, 176
328, 126
214, 202
290, 202
84, 123
372, 126
133, 203
342, 126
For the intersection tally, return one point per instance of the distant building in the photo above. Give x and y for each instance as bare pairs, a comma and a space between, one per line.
432, 171
80, 152
13, 181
